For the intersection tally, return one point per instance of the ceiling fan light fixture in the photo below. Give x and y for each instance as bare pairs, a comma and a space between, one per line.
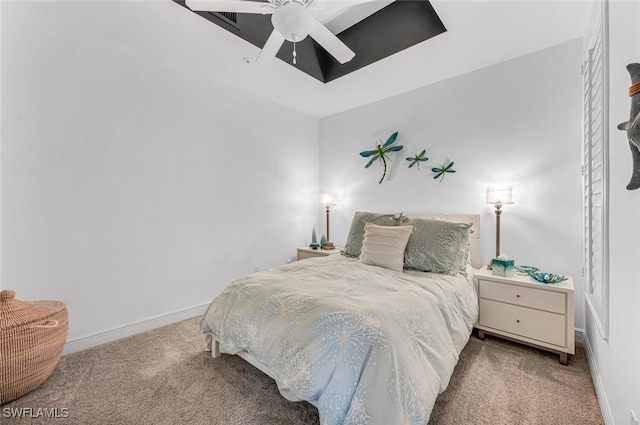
293, 21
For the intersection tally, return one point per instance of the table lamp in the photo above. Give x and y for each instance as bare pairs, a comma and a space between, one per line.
499, 195
327, 200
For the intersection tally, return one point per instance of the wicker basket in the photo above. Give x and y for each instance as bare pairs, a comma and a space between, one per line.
32, 336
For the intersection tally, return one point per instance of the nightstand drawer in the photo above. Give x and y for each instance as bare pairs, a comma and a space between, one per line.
522, 296
527, 322
305, 254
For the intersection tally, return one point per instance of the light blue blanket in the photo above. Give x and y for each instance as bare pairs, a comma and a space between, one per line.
367, 345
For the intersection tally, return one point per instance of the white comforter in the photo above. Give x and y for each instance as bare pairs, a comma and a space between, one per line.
367, 345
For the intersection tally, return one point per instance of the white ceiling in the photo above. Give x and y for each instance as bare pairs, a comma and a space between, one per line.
479, 33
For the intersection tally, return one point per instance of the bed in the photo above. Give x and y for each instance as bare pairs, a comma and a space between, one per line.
363, 343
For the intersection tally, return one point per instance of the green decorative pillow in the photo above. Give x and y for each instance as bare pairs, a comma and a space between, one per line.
353, 246
438, 246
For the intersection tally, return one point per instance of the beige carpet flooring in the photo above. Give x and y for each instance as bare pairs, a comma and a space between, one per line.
165, 377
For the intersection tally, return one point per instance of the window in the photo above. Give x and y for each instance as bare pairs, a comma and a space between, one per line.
595, 168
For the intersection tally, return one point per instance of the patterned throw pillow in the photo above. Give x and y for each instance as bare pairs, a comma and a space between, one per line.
353, 247
384, 246
438, 246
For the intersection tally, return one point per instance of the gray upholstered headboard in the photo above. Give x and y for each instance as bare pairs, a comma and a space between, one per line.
475, 245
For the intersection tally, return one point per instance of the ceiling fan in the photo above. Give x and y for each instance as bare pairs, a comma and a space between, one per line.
292, 20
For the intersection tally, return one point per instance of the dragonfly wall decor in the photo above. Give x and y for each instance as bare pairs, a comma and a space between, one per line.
442, 171
417, 159
381, 151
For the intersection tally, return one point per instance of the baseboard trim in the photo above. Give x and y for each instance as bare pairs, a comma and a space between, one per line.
88, 341
579, 335
597, 382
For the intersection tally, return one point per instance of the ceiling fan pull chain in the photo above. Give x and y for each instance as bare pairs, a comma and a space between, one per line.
294, 53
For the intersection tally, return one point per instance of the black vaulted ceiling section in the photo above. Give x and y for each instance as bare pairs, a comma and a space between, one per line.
399, 25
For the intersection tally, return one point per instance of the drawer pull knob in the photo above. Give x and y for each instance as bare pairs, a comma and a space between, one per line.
518, 296
517, 320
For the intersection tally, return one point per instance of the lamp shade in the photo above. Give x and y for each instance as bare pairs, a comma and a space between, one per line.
327, 199
500, 195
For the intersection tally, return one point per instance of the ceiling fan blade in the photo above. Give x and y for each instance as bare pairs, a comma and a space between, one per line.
238, 6
315, 5
271, 47
331, 43
349, 16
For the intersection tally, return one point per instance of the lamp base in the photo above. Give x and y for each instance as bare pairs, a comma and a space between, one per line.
328, 245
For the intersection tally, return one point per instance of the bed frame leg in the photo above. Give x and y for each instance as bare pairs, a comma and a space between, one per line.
215, 348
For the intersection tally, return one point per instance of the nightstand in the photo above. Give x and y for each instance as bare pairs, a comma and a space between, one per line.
521, 309
306, 252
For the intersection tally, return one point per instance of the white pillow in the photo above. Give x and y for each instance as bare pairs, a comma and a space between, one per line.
384, 246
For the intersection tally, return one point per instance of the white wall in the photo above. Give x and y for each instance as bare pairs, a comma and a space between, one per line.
132, 185
517, 122
616, 361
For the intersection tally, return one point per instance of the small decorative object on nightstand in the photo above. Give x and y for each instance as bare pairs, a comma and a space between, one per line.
314, 240
304, 252
521, 309
502, 266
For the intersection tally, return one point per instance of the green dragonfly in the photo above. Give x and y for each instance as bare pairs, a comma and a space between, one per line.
381, 151
416, 159
441, 172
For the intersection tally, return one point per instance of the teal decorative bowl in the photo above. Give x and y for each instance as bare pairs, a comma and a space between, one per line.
526, 269
546, 277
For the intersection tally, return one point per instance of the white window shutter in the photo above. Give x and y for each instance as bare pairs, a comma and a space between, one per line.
595, 170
